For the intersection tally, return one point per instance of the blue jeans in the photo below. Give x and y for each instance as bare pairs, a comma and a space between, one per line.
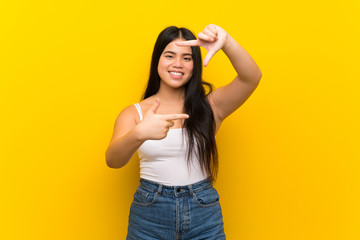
160, 212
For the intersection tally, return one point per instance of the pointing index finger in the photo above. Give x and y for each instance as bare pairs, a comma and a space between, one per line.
175, 116
188, 43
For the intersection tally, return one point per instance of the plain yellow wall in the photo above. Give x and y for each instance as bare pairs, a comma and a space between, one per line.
289, 157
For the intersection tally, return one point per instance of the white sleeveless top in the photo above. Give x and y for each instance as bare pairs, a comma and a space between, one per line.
164, 161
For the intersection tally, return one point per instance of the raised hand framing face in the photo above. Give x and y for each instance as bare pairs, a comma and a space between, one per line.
212, 38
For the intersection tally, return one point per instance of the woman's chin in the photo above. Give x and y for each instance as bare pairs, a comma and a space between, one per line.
175, 83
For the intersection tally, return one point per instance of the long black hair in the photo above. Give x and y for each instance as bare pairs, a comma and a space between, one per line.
201, 125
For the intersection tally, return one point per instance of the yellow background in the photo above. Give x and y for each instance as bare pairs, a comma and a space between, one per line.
289, 157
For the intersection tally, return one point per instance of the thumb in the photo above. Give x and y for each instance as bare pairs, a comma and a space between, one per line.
209, 55
156, 105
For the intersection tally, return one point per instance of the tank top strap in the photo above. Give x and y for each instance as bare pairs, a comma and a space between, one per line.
138, 108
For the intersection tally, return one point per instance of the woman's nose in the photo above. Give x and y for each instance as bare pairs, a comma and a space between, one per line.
177, 62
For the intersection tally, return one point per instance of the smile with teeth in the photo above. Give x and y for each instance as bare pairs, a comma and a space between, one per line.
176, 73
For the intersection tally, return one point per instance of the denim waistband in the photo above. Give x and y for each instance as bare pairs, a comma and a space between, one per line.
164, 189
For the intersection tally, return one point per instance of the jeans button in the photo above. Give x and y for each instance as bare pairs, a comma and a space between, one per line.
178, 190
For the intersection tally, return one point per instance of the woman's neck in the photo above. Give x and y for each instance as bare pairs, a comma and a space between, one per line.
171, 95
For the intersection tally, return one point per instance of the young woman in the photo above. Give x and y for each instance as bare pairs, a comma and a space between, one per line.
173, 128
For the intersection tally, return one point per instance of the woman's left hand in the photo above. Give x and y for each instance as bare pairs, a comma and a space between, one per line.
212, 38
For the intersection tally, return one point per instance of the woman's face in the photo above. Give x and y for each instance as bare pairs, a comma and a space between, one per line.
176, 65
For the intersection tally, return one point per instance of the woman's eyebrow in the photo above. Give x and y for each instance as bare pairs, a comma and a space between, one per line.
175, 53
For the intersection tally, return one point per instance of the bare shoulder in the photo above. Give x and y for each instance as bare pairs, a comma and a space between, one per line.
129, 111
125, 121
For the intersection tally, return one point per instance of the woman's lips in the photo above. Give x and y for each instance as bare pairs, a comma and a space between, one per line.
176, 75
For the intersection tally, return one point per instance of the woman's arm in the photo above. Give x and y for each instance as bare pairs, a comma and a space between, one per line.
129, 136
226, 99
243, 63
125, 141
230, 97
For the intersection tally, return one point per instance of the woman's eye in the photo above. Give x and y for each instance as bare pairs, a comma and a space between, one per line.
168, 56
187, 59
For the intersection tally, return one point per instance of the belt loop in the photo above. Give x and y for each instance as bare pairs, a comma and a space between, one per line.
191, 190
159, 189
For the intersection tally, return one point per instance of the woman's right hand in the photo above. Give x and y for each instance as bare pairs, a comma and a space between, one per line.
155, 126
